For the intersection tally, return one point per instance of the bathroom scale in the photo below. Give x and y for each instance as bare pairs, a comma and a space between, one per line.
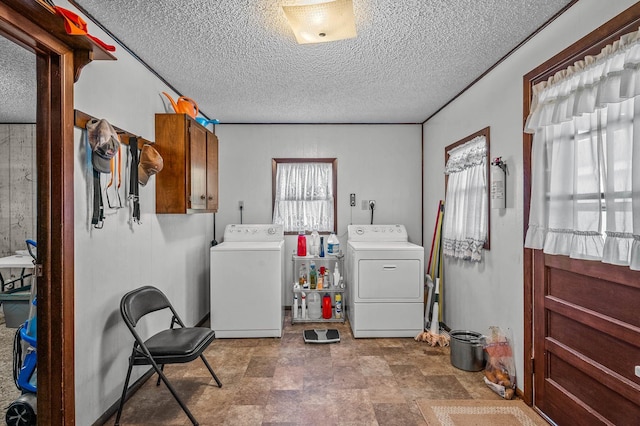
321, 336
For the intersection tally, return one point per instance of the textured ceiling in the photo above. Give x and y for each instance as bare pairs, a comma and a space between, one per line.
17, 83
239, 60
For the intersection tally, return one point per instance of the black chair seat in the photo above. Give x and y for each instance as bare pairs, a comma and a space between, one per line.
177, 345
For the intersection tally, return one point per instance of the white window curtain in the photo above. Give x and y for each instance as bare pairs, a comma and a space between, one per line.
464, 230
304, 197
585, 191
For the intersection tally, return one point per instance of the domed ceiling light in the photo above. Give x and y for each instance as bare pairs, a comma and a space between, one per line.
319, 21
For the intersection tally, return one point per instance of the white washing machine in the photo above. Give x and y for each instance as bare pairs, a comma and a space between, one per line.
386, 282
247, 282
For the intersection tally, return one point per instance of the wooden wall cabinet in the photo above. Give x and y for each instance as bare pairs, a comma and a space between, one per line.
188, 182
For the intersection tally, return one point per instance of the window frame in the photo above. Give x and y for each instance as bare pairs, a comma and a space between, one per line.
484, 132
334, 183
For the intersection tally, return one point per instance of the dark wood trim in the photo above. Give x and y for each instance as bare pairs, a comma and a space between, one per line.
486, 133
528, 255
591, 44
537, 344
333, 161
58, 183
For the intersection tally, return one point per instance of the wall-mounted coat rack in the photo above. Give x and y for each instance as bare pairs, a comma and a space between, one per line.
81, 118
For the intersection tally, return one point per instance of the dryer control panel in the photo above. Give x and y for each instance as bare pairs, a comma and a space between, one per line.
377, 233
254, 232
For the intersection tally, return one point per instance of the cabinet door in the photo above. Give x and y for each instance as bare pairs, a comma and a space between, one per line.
212, 172
172, 183
198, 175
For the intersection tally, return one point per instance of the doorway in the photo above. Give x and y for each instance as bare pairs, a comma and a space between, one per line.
23, 23
17, 201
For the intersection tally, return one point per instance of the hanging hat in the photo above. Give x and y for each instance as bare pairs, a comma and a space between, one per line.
151, 162
104, 142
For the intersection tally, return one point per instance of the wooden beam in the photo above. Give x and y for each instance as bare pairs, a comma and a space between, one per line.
81, 119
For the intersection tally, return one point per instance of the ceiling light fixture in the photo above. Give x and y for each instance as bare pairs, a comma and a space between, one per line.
319, 21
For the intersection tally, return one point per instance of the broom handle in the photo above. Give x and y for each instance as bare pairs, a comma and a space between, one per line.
436, 251
433, 239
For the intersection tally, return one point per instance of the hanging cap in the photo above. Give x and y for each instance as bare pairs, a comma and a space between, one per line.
104, 142
151, 162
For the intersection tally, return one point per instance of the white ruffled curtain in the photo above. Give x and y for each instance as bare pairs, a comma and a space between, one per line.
465, 214
304, 196
585, 190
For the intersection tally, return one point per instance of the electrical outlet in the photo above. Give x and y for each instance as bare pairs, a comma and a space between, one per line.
372, 204
352, 200
365, 204
241, 204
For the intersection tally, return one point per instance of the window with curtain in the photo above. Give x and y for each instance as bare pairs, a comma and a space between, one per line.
585, 190
304, 194
465, 226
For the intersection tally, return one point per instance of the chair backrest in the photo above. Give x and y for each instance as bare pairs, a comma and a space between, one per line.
141, 301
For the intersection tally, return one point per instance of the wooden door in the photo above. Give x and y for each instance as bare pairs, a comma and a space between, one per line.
212, 172
582, 327
198, 169
586, 341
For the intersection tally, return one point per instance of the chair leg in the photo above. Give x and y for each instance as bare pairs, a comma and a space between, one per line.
174, 393
161, 369
124, 392
211, 371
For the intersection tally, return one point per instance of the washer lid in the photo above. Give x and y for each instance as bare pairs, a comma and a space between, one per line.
384, 245
248, 246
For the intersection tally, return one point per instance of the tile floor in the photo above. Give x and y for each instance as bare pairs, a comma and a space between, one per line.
285, 381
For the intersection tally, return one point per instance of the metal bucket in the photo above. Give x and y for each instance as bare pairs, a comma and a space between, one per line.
467, 350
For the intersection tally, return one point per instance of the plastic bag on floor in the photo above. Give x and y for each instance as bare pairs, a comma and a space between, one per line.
500, 370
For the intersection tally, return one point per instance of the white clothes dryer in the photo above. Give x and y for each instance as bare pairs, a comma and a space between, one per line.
386, 282
247, 282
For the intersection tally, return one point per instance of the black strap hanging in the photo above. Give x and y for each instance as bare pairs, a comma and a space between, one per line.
133, 182
97, 220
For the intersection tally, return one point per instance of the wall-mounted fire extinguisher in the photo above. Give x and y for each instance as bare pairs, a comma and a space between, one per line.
498, 183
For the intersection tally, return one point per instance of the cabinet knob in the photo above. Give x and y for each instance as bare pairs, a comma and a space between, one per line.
202, 197
210, 198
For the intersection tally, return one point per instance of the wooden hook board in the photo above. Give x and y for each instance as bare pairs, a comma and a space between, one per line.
81, 118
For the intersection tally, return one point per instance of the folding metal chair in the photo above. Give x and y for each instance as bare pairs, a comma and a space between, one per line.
171, 346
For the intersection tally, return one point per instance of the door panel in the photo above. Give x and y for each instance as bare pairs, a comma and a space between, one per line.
212, 172
198, 147
586, 341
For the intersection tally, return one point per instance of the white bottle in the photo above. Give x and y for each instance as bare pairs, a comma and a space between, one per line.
333, 244
314, 311
336, 275
314, 243
295, 302
304, 305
